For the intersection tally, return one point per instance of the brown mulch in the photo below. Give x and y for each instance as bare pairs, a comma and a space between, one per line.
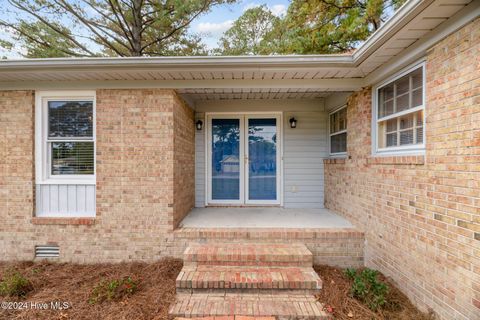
73, 283
336, 295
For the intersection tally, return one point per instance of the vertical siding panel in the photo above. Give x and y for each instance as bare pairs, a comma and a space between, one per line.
81, 202
63, 199
90, 199
72, 198
53, 196
45, 199
38, 200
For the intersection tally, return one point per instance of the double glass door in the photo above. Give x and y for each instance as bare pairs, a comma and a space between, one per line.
243, 159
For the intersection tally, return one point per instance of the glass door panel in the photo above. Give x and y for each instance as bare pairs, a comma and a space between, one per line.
262, 160
225, 159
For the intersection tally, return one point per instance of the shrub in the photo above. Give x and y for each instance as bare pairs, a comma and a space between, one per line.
113, 290
367, 288
14, 284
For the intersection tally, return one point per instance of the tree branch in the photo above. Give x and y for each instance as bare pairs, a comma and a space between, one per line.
17, 5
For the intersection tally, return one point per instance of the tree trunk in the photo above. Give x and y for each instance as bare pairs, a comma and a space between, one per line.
137, 28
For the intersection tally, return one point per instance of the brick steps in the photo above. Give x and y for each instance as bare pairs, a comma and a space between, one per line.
253, 305
245, 277
227, 318
248, 280
244, 255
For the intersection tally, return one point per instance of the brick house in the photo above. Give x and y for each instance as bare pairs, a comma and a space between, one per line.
370, 158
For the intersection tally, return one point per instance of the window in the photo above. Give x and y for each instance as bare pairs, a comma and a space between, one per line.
65, 137
338, 131
70, 137
399, 107
65, 153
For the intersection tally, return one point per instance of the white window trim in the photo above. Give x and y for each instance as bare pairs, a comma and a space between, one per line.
42, 167
336, 154
417, 149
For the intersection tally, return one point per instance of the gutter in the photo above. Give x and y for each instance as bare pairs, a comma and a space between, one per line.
404, 15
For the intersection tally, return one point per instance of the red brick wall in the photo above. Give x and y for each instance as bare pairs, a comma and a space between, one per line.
421, 215
184, 167
135, 180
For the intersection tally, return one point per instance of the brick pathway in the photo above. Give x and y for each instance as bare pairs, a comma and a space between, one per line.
245, 280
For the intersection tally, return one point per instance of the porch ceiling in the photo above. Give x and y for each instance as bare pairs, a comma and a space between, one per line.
252, 94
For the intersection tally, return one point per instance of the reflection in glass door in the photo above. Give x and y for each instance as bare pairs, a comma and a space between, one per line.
243, 159
262, 160
225, 159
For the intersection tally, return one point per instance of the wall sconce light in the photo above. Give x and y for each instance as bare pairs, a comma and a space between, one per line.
293, 122
199, 124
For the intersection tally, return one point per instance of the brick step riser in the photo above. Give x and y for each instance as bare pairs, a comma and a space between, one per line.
271, 291
276, 317
249, 263
217, 306
220, 284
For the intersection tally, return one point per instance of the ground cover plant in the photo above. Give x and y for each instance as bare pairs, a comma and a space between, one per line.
146, 290
364, 295
101, 291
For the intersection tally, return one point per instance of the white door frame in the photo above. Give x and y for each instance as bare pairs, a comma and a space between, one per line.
243, 118
209, 119
278, 158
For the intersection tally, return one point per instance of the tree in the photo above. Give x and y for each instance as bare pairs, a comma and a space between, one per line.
332, 26
86, 28
249, 32
309, 27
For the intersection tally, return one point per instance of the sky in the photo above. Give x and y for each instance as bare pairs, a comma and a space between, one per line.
210, 25
213, 24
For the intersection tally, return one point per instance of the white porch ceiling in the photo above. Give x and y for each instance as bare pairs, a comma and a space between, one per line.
251, 93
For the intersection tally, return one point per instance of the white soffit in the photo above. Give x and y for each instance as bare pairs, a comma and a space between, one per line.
252, 94
309, 75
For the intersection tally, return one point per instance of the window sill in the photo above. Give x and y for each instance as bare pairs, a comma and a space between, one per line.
397, 160
63, 221
337, 160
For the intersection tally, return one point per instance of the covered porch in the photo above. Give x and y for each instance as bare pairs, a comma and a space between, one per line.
264, 217
332, 239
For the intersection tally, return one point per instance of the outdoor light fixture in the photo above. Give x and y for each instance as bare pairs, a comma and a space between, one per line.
199, 124
293, 122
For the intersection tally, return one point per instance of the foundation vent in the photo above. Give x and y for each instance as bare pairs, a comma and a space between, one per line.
47, 251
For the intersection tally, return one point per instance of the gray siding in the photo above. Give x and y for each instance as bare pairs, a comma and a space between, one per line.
303, 148
200, 163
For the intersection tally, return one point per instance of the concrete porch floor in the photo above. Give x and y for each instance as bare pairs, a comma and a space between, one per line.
266, 217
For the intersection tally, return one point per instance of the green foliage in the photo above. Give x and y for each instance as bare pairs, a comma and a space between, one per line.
367, 288
14, 284
309, 27
113, 290
66, 28
249, 33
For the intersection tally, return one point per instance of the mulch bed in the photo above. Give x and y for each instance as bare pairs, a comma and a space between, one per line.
336, 295
156, 291
74, 284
